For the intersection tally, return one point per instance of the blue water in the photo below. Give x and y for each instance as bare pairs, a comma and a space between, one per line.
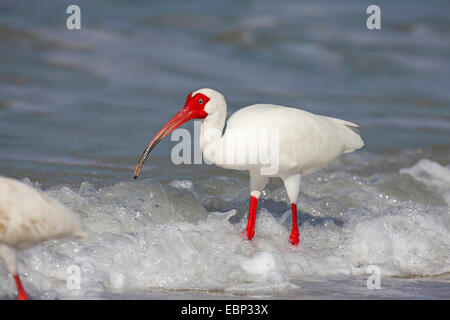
78, 107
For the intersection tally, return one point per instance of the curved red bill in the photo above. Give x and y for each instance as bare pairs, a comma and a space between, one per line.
181, 117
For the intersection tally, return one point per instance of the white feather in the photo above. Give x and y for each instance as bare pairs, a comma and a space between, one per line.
28, 217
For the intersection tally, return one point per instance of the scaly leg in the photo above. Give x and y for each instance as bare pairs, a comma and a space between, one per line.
257, 183
294, 238
250, 231
21, 294
292, 185
9, 256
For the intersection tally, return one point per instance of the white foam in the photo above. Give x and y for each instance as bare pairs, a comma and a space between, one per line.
430, 172
139, 239
433, 174
181, 184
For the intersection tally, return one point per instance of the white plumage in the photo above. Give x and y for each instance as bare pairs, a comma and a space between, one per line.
28, 217
306, 141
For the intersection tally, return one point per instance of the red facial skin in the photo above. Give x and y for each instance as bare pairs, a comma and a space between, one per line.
194, 108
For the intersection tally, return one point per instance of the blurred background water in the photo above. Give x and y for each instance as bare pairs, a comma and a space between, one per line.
78, 107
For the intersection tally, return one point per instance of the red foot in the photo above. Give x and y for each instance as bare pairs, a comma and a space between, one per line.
250, 231
294, 238
21, 294
248, 235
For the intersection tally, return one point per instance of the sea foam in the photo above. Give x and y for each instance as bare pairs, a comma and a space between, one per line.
144, 236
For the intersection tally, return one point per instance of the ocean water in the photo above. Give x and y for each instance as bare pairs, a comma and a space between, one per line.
77, 108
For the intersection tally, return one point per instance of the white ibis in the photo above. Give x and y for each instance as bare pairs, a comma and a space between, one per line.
304, 142
28, 217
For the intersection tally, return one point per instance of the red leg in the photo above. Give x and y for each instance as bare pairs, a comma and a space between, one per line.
21, 294
250, 231
294, 238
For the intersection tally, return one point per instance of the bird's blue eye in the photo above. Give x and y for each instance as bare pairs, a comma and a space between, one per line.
200, 101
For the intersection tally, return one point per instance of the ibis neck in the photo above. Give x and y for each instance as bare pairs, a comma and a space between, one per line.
211, 134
